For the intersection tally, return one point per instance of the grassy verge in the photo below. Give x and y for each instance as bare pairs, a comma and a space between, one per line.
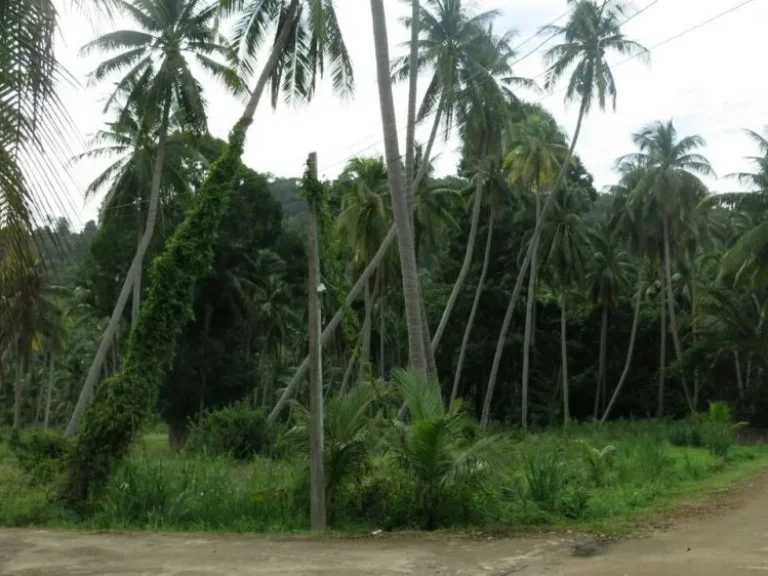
610, 480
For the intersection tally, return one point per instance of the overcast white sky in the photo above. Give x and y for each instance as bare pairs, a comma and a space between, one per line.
711, 82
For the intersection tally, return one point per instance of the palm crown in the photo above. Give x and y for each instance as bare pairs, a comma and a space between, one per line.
594, 30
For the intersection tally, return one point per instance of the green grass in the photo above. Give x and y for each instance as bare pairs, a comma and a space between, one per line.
610, 479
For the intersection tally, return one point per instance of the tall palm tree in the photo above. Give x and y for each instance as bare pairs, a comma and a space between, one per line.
608, 276
481, 109
497, 192
131, 146
364, 221
671, 170
747, 252
592, 32
534, 152
155, 59
307, 41
564, 240
411, 289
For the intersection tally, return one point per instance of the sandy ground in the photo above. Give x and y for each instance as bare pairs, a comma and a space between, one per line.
729, 538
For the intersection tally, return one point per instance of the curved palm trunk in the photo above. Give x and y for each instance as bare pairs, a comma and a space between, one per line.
366, 356
413, 81
51, 373
521, 276
467, 264
250, 109
382, 325
628, 362
662, 346
475, 306
411, 292
529, 322
739, 380
672, 314
354, 293
600, 388
564, 353
136, 298
274, 58
138, 261
350, 366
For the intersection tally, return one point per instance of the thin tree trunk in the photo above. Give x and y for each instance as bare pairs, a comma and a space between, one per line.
365, 358
136, 299
51, 373
107, 340
529, 322
350, 366
739, 381
672, 314
601, 368
398, 193
413, 81
628, 362
662, 345
17, 388
274, 58
382, 300
564, 352
748, 380
39, 405
521, 276
475, 306
316, 431
467, 264
694, 333
354, 293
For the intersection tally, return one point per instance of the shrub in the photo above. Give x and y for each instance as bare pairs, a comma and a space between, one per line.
238, 431
686, 433
718, 430
439, 448
42, 457
598, 463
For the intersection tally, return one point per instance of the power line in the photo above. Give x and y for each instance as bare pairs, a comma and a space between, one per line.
514, 49
448, 129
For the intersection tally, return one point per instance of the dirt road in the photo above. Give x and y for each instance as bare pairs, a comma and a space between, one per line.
731, 542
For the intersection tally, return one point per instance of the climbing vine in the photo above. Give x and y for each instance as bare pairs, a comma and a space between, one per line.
127, 398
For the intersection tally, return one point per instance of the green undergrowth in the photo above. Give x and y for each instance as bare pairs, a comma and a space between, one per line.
609, 479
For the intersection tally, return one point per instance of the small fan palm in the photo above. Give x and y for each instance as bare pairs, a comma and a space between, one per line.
437, 446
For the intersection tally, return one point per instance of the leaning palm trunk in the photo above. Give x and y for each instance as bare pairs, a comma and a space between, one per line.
398, 193
662, 345
564, 352
413, 82
523, 270
475, 306
136, 298
354, 293
739, 380
250, 109
467, 264
600, 388
49, 393
366, 356
628, 363
382, 326
672, 314
529, 323
138, 261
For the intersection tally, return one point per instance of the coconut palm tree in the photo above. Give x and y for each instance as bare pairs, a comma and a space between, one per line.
155, 59
564, 240
131, 147
609, 275
670, 181
497, 193
534, 152
307, 42
364, 221
593, 32
482, 109
398, 194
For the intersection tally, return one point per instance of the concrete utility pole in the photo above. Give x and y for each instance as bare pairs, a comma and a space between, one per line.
316, 289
